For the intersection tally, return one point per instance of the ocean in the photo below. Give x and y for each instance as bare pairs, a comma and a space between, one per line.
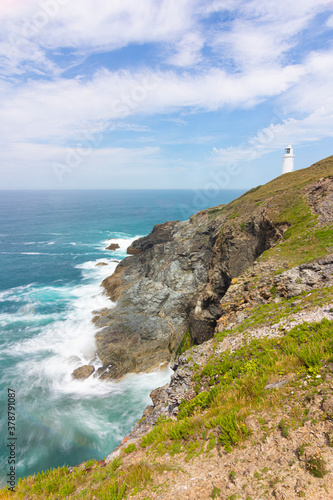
50, 243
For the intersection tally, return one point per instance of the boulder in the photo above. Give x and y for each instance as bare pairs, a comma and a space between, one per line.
113, 246
83, 372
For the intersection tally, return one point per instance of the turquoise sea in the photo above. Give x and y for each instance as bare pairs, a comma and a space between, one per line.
50, 243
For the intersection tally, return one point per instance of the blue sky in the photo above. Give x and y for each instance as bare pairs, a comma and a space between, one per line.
198, 94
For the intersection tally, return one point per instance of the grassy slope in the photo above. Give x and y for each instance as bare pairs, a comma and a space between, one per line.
230, 386
284, 203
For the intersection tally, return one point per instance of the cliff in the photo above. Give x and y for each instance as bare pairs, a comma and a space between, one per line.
176, 277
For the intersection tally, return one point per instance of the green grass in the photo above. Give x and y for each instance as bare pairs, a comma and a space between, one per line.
130, 448
233, 216
285, 205
185, 344
281, 191
108, 483
300, 450
216, 492
240, 380
284, 428
316, 465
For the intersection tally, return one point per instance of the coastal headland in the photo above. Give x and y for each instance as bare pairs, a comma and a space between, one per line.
240, 300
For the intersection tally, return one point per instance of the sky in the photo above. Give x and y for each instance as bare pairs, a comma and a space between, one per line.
191, 94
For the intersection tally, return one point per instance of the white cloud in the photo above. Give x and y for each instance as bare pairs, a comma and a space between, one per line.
30, 28
62, 109
261, 30
264, 31
65, 23
315, 88
46, 155
104, 168
188, 50
309, 100
20, 55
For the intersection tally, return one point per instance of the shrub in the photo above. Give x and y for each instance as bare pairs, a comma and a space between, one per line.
231, 431
300, 450
284, 428
232, 475
329, 437
66, 489
113, 492
115, 464
130, 448
216, 492
185, 344
316, 465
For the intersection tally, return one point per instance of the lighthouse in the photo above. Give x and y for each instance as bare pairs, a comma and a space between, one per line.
288, 160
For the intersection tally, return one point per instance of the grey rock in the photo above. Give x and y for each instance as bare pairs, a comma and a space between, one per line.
305, 278
279, 383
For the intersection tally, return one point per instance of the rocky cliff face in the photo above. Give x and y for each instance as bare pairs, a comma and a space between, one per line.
174, 283
153, 289
176, 276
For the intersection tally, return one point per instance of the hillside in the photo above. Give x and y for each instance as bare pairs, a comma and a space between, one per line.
242, 300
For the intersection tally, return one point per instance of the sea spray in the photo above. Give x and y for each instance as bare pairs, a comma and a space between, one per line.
73, 419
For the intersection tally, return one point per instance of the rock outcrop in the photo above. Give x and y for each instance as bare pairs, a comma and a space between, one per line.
243, 295
173, 284
112, 246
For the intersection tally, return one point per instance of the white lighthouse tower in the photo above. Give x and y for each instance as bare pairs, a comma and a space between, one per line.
288, 160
